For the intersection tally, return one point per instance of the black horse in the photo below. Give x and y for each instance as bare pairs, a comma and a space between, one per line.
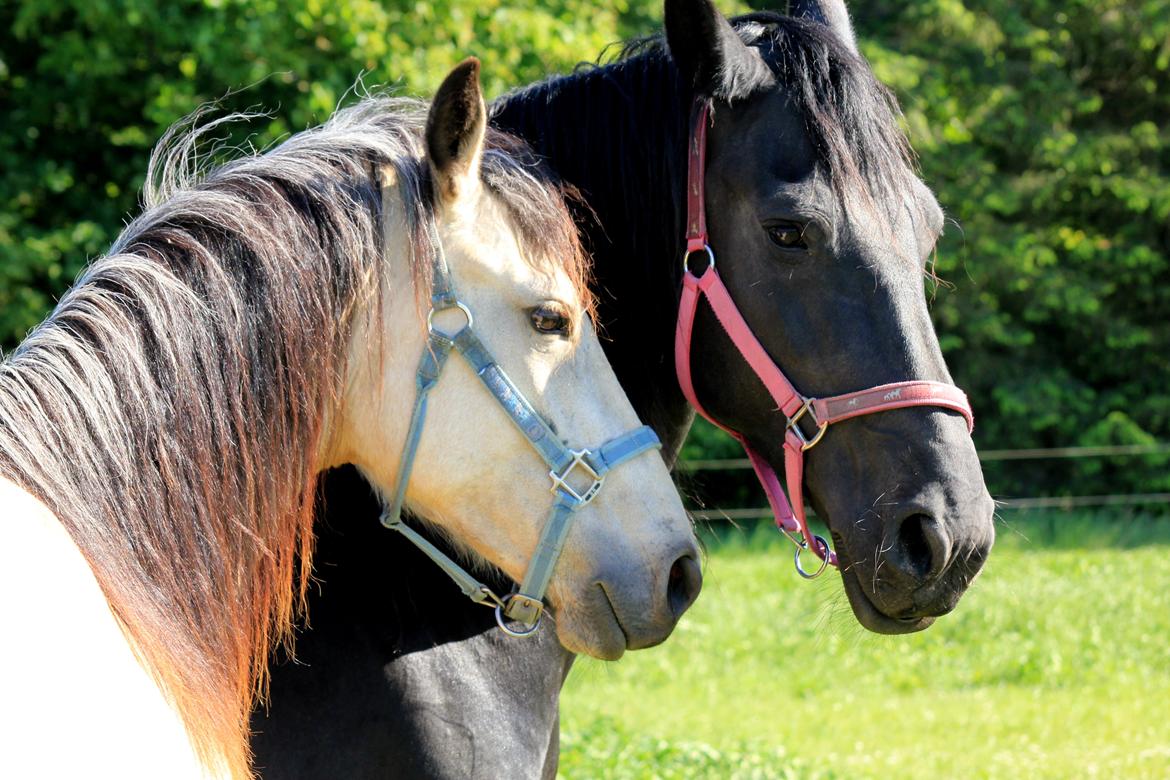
823, 231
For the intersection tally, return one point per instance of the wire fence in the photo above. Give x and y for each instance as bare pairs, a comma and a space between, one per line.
987, 456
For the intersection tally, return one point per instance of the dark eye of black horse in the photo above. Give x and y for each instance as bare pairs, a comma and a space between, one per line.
550, 319
787, 235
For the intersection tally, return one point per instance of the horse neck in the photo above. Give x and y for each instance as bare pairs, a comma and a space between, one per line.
618, 134
170, 413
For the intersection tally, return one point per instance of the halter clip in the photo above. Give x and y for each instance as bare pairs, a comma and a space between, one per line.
823, 554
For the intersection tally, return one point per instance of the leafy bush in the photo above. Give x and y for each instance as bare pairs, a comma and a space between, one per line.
1041, 126
86, 88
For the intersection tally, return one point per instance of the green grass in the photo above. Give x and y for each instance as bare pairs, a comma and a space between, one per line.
1055, 665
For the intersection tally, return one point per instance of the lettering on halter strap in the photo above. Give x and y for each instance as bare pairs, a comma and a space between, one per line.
853, 402
893, 395
513, 405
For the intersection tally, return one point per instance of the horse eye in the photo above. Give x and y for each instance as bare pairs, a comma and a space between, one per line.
787, 235
551, 320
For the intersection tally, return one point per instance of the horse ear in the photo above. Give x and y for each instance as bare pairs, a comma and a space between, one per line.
831, 13
706, 49
455, 132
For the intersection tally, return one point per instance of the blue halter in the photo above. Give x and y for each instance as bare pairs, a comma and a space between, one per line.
525, 604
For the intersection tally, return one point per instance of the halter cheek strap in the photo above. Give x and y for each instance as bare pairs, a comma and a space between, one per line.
807, 418
526, 604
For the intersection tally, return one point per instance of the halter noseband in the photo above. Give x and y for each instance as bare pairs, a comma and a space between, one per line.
525, 604
818, 413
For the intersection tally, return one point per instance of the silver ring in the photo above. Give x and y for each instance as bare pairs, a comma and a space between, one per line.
457, 305
511, 631
824, 561
710, 258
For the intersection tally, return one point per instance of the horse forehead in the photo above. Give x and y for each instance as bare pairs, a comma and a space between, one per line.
486, 248
766, 148
763, 140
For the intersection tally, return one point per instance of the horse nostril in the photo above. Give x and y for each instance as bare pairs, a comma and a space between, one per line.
683, 585
915, 548
922, 548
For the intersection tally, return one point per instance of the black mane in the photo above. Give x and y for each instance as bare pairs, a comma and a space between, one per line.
598, 122
851, 118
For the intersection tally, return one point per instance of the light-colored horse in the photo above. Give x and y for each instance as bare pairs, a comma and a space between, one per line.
161, 432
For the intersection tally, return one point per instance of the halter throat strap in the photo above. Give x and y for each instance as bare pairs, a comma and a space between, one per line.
807, 418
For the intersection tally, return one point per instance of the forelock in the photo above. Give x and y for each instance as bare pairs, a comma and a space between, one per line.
852, 119
535, 201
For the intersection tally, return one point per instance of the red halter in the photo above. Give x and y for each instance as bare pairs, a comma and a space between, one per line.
821, 412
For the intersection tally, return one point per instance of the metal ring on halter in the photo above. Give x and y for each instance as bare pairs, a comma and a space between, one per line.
457, 305
710, 259
502, 623
824, 560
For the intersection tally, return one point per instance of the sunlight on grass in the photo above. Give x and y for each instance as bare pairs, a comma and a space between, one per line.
1055, 665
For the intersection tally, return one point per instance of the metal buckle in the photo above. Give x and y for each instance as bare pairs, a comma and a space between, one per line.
525, 604
455, 305
710, 259
559, 480
806, 408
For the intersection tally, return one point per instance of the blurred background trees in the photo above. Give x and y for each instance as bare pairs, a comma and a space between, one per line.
88, 86
1041, 125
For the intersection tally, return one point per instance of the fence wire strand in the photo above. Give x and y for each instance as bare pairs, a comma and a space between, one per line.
987, 456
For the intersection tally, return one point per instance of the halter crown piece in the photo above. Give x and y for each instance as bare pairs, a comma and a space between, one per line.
525, 604
815, 413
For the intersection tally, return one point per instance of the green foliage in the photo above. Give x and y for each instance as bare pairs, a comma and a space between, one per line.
1042, 128
1053, 666
1041, 125
87, 88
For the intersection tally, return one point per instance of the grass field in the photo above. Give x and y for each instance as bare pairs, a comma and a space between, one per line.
1055, 665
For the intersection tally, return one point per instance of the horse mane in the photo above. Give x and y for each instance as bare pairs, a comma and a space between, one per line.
171, 410
852, 120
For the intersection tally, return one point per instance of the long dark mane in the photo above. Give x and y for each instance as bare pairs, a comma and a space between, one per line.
851, 119
172, 410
